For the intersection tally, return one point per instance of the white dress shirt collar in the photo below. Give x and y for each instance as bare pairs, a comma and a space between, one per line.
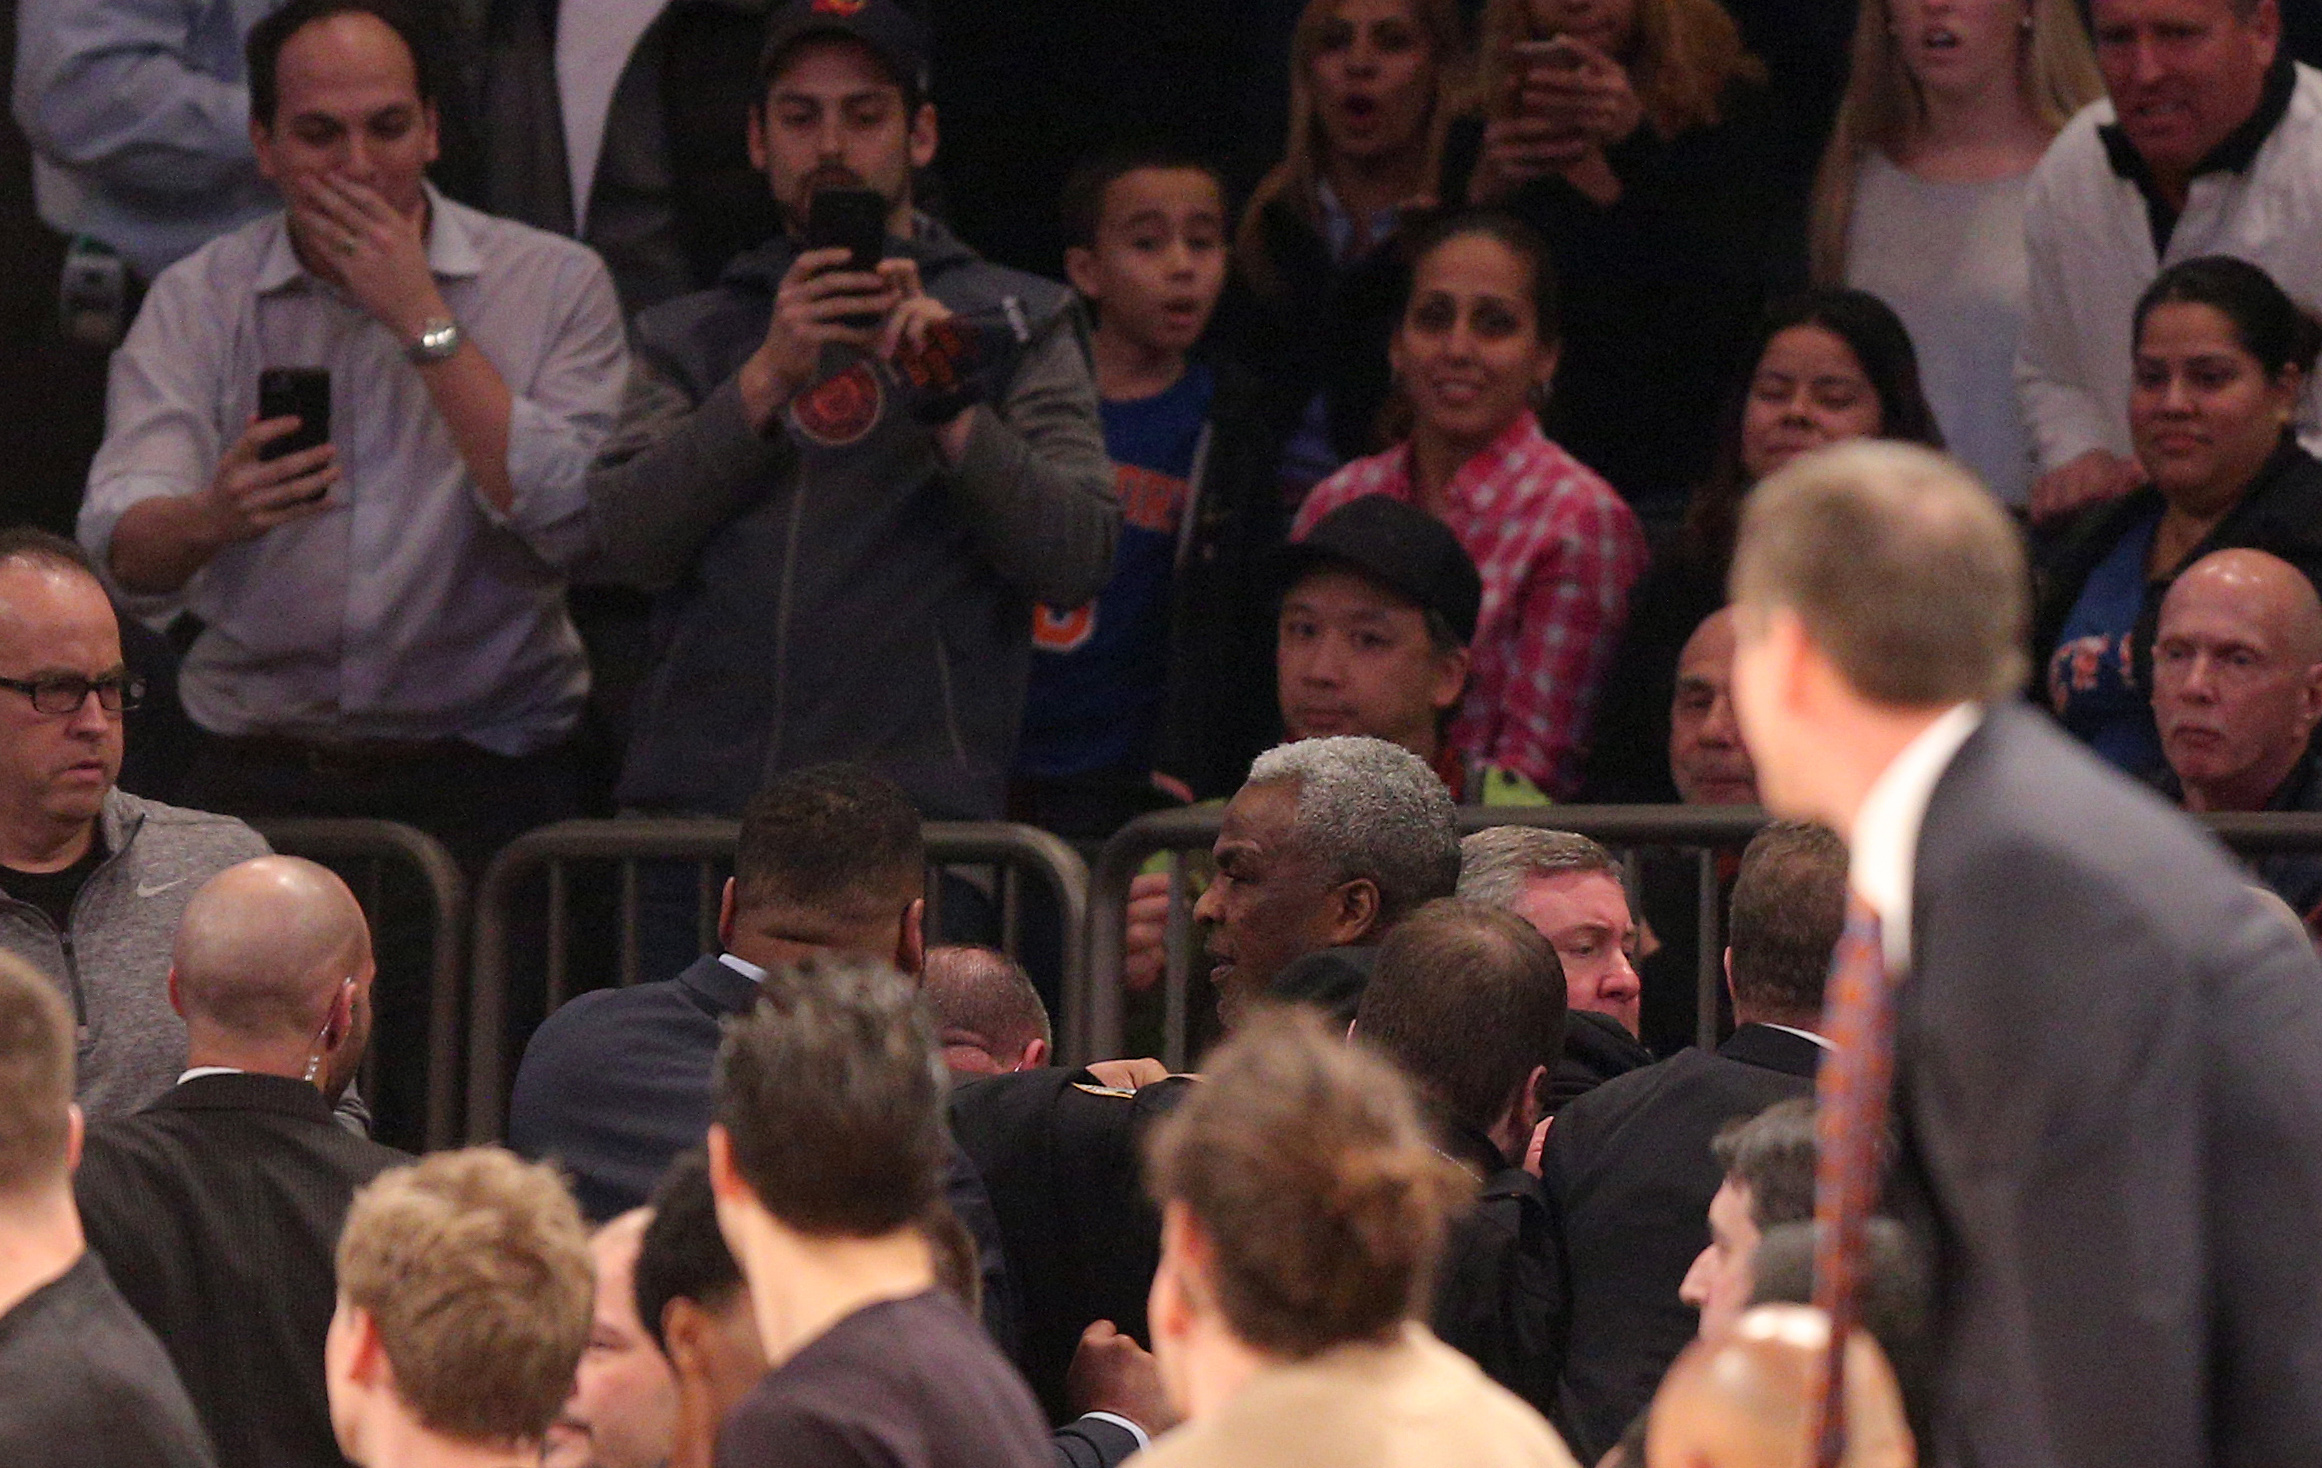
744, 967
1883, 847
1818, 1042
209, 1070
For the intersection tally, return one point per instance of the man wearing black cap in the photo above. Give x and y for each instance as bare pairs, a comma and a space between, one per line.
1380, 605
850, 487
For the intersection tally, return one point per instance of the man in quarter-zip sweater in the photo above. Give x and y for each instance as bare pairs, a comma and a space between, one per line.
848, 569
92, 879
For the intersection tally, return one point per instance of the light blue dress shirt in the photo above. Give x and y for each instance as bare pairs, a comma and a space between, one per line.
411, 608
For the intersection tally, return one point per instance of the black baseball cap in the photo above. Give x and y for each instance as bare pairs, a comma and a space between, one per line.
891, 31
1401, 547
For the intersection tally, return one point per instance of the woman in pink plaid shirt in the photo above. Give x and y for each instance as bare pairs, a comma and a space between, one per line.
1557, 547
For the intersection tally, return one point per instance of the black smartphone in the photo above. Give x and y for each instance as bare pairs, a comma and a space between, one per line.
852, 219
303, 393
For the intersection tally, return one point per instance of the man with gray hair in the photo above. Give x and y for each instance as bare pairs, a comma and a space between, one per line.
1327, 845
1570, 889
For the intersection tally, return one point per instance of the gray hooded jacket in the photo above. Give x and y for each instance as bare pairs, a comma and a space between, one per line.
113, 963
862, 602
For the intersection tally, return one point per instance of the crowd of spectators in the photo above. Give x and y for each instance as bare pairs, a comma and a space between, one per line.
606, 407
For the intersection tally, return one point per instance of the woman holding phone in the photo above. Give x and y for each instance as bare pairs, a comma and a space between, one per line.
1921, 194
1374, 86
1637, 137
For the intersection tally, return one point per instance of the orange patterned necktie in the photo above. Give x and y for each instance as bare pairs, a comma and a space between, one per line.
1851, 1097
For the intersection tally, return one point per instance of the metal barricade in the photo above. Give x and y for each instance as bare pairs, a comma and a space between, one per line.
361, 852
1093, 1019
1010, 849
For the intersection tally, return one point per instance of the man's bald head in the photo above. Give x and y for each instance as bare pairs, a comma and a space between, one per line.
1746, 1399
2263, 588
263, 949
2237, 677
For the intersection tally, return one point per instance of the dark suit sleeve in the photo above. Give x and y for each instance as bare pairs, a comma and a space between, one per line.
1091, 1443
2127, 1134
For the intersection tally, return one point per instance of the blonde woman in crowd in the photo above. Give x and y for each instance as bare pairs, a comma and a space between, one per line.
1374, 87
1921, 196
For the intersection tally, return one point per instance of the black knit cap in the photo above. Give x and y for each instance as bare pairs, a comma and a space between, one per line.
891, 31
1401, 547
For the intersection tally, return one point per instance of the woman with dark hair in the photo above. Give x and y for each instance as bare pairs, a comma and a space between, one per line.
1303, 1209
1826, 366
2222, 355
1556, 547
1639, 138
1374, 85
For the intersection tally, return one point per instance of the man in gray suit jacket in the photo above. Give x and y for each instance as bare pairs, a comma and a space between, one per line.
2108, 1087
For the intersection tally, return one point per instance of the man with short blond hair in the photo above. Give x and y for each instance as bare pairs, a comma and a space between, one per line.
2083, 992
83, 1383
464, 1299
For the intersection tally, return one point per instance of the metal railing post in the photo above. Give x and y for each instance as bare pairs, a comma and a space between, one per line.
629, 841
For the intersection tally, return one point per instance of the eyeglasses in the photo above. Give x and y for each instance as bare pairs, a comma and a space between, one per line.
58, 697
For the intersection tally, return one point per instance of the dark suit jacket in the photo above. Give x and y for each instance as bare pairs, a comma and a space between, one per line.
1630, 1168
217, 1211
1501, 1298
1596, 1049
617, 1082
1062, 1158
2109, 1088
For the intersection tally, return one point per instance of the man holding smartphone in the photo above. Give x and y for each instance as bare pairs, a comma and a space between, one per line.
384, 628
383, 623
850, 484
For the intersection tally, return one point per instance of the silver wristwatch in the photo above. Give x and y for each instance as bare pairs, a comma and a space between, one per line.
438, 341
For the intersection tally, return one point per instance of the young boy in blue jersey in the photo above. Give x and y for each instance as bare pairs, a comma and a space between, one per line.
1113, 712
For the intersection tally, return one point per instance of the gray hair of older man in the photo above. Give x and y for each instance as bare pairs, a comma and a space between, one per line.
1368, 808
1496, 863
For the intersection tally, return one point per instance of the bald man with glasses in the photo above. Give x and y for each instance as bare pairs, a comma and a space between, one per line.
92, 879
217, 1207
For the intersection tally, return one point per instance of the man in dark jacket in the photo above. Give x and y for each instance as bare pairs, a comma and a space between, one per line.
1469, 1001
1629, 1164
850, 487
216, 1208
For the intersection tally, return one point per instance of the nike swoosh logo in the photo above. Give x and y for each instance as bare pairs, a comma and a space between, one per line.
145, 891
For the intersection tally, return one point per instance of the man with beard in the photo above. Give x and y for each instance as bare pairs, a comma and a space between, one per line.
851, 485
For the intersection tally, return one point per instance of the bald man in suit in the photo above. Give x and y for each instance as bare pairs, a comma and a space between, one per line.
217, 1207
